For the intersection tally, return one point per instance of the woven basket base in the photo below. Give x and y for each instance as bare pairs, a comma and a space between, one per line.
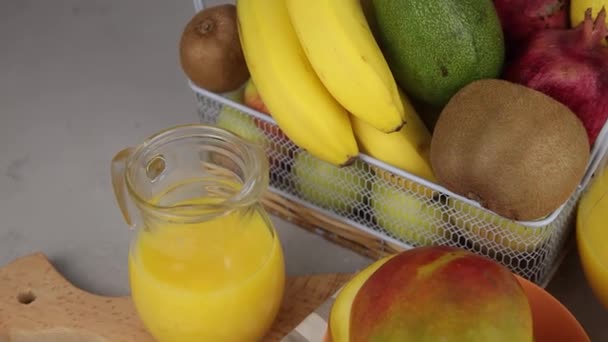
329, 228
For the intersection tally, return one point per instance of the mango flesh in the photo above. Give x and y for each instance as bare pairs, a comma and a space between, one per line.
441, 293
340, 312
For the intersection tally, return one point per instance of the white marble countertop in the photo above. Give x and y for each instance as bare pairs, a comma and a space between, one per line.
80, 80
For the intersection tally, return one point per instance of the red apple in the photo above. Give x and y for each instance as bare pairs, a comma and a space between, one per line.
278, 139
253, 99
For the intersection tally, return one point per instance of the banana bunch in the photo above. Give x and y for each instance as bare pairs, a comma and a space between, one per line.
325, 81
300, 104
343, 51
407, 149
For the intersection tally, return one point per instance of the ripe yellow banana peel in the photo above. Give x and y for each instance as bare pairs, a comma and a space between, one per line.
342, 50
299, 102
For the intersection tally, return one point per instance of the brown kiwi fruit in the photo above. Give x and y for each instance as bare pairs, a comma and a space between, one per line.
210, 51
515, 150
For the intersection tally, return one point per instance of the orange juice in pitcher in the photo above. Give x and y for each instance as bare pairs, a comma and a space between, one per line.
206, 263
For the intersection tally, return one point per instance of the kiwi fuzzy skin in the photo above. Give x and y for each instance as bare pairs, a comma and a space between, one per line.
515, 150
210, 50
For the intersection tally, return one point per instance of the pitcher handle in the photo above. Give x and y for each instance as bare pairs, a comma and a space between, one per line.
119, 164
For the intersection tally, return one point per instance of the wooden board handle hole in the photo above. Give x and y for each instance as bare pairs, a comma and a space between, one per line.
27, 297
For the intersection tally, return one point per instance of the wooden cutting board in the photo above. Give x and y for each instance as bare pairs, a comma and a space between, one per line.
38, 305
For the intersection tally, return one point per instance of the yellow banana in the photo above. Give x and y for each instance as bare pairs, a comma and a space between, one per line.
406, 149
341, 48
300, 104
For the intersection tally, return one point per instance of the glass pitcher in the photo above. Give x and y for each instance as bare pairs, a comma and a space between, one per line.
205, 263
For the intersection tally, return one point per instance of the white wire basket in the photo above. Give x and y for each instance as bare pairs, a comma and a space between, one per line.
396, 206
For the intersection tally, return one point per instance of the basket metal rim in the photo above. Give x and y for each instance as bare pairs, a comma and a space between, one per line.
600, 148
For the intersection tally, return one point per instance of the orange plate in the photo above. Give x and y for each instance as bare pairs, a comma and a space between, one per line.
552, 321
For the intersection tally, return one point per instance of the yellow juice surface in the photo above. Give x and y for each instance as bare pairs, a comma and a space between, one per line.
220, 280
592, 235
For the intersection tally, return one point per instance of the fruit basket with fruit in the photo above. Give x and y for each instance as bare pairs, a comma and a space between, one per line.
385, 150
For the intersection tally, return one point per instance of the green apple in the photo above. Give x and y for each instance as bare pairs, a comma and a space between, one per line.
487, 229
335, 188
413, 217
241, 124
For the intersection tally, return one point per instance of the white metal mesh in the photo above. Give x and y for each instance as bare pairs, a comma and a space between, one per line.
393, 206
